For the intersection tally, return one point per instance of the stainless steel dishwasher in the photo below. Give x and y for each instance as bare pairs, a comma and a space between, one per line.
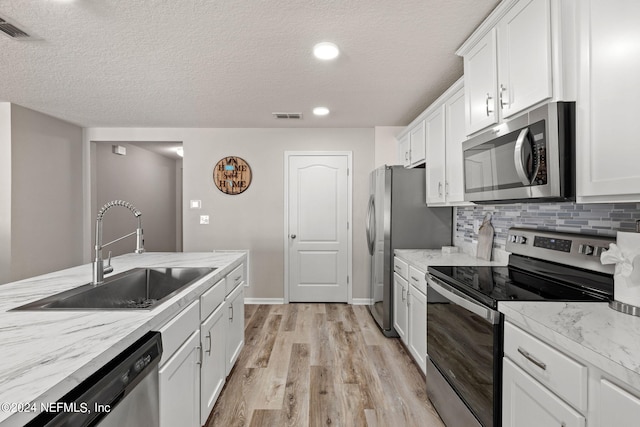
122, 393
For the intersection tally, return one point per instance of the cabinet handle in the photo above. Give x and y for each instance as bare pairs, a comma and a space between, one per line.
439, 188
209, 338
503, 103
414, 279
532, 359
199, 348
237, 278
230, 312
446, 188
489, 110
406, 155
403, 298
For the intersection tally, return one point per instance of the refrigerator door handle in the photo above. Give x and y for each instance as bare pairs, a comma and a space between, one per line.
371, 215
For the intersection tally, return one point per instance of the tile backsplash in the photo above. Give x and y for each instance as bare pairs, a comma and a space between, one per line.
602, 219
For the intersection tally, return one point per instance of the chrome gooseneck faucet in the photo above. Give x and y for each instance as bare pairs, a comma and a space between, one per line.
99, 270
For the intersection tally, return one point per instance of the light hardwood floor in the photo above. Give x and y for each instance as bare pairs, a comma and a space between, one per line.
321, 365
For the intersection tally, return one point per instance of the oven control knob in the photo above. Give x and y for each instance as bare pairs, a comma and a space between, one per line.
521, 240
587, 249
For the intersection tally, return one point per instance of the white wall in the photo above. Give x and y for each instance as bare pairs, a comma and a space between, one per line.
5, 192
148, 181
46, 193
386, 145
254, 220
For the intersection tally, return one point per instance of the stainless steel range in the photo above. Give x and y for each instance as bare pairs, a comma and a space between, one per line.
465, 329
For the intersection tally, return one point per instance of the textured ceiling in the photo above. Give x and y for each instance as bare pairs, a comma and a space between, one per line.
231, 63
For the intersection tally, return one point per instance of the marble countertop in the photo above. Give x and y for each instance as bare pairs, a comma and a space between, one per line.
45, 354
592, 331
423, 258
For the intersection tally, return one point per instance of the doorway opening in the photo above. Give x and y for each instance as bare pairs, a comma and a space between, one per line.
149, 176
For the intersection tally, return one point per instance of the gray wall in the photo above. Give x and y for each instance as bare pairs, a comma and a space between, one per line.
254, 220
5, 192
46, 194
148, 181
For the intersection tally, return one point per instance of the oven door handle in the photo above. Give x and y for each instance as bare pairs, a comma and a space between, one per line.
463, 300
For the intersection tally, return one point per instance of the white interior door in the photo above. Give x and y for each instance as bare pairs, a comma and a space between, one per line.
318, 228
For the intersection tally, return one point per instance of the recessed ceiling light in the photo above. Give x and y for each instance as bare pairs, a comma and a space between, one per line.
326, 51
321, 111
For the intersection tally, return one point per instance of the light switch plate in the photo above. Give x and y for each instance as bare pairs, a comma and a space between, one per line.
204, 219
195, 204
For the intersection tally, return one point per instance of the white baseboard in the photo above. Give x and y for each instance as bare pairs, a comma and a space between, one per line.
269, 301
264, 301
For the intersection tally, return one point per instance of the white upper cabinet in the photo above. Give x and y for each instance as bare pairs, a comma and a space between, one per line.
435, 173
524, 56
607, 146
411, 144
445, 130
404, 151
520, 56
455, 136
481, 78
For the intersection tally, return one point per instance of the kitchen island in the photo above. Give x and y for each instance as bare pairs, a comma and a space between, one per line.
45, 354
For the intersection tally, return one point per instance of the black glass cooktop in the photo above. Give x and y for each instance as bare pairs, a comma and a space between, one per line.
528, 280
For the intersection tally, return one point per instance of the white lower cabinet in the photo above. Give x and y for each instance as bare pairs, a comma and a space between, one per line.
200, 346
618, 406
410, 310
179, 386
527, 403
213, 331
417, 329
546, 385
400, 288
234, 304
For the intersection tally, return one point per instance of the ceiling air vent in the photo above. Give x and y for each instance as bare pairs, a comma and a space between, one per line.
12, 30
287, 115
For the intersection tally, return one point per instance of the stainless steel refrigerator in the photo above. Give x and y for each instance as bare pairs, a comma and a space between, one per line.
398, 218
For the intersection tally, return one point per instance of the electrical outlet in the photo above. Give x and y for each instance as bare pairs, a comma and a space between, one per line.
204, 219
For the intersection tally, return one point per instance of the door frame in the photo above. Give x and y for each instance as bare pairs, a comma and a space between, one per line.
349, 155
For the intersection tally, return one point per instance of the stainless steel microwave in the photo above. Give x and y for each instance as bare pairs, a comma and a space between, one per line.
530, 158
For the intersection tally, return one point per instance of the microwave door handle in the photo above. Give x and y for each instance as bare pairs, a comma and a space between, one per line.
463, 301
517, 157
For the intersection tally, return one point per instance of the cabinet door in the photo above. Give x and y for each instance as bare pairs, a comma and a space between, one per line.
607, 120
524, 56
417, 144
179, 386
617, 406
213, 372
403, 151
480, 79
235, 332
418, 327
400, 306
455, 135
526, 403
435, 168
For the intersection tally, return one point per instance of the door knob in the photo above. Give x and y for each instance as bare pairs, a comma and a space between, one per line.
293, 236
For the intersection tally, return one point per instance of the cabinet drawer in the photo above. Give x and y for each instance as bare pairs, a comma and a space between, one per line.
235, 278
401, 267
556, 371
178, 330
417, 279
212, 299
